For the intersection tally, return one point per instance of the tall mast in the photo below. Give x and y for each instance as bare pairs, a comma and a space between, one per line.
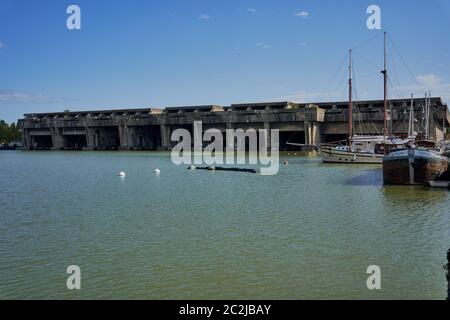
350, 100
443, 126
411, 117
384, 72
428, 114
426, 117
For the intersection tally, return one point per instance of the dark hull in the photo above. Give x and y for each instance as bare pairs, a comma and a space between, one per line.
420, 170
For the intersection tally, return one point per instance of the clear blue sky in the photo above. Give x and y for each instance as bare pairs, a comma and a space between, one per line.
136, 53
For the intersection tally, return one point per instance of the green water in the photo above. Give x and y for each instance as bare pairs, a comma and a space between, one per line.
310, 231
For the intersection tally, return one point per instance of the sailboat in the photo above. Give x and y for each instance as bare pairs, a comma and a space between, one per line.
363, 149
418, 163
359, 149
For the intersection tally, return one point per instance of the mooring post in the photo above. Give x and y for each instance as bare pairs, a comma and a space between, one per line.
447, 275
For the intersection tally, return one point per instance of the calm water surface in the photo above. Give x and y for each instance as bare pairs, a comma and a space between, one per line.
308, 232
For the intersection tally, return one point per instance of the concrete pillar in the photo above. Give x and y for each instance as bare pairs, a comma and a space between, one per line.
316, 134
90, 143
312, 133
307, 133
197, 137
165, 137
131, 137
57, 138
267, 127
125, 137
26, 139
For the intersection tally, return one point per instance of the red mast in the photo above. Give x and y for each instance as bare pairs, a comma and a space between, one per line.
350, 102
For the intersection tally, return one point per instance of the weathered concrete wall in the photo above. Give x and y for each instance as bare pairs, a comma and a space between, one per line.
152, 128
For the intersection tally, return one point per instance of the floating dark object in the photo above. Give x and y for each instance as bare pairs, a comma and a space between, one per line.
213, 168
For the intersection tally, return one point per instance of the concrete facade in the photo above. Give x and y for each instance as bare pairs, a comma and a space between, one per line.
151, 128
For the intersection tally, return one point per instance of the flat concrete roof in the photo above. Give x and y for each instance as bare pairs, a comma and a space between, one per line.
262, 103
209, 106
401, 100
437, 100
94, 111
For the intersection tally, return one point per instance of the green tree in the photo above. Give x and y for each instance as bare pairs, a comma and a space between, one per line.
3, 131
9, 132
15, 133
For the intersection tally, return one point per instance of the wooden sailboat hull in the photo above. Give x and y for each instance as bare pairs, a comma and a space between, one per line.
413, 167
331, 155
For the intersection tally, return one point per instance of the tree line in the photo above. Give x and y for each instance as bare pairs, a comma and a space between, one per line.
9, 132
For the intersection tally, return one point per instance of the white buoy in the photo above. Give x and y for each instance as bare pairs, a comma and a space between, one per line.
192, 167
157, 171
121, 174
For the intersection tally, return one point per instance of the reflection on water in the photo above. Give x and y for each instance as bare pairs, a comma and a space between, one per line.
367, 176
422, 195
308, 232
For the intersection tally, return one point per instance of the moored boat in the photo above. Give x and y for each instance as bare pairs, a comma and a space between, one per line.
422, 162
439, 184
443, 181
363, 149
359, 149
368, 149
413, 166
343, 154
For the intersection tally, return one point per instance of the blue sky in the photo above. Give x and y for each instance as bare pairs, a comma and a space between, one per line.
133, 54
